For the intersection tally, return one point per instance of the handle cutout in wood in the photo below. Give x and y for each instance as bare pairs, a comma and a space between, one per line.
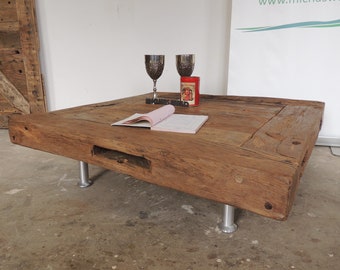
121, 157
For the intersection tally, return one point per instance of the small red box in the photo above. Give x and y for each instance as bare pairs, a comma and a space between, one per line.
190, 90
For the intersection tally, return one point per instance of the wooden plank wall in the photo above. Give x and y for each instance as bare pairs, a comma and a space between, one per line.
19, 60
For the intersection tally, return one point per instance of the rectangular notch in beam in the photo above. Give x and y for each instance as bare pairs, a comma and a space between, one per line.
121, 157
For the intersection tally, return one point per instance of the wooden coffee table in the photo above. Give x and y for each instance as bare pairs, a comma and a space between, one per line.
250, 154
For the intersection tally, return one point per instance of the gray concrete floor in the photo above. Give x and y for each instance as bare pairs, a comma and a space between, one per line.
47, 222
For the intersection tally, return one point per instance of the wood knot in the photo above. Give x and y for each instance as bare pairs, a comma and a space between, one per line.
239, 179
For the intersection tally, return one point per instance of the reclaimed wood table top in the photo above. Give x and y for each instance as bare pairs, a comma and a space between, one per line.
250, 154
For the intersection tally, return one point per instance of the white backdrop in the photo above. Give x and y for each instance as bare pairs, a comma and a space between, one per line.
295, 55
93, 50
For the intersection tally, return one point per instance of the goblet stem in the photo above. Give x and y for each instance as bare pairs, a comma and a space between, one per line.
154, 89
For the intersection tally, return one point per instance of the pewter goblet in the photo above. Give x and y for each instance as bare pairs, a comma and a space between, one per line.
154, 65
185, 64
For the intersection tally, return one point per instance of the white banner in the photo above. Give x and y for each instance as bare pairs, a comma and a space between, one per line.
289, 49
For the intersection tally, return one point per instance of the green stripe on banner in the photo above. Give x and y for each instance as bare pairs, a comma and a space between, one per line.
311, 24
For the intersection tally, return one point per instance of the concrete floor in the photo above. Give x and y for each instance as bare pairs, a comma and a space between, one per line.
47, 222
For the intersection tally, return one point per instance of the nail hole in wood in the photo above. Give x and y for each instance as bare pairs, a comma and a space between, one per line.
268, 206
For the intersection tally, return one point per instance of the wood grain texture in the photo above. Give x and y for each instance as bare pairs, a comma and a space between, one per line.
19, 57
250, 153
30, 47
13, 95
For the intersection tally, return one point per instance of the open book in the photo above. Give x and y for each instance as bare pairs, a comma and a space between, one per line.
164, 119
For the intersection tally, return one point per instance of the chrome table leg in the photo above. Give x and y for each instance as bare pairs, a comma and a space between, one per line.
84, 175
228, 221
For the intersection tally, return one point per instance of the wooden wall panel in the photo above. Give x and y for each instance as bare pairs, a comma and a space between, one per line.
8, 12
19, 58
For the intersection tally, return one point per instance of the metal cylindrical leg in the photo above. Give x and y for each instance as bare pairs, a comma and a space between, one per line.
228, 220
84, 175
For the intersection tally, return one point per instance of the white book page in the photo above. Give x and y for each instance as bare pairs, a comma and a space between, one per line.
147, 119
160, 114
182, 123
140, 123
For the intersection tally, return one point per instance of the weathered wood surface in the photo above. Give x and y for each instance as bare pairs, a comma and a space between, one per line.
13, 95
250, 154
19, 58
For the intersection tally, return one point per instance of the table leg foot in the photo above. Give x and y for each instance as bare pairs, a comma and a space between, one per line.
84, 175
228, 220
